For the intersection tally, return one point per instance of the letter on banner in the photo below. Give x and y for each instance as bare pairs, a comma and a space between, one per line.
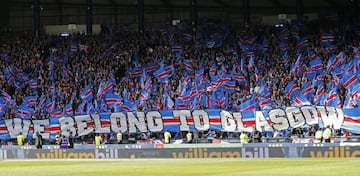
227, 121
331, 116
201, 125
182, 114
98, 127
295, 117
114, 118
278, 118
67, 125
154, 121
310, 114
138, 122
39, 125
16, 125
261, 122
240, 125
82, 126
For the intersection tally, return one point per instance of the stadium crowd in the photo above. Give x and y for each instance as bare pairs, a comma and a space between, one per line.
219, 66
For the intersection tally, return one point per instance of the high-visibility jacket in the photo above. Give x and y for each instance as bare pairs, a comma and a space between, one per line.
244, 138
189, 137
20, 140
318, 134
98, 140
119, 137
167, 136
327, 133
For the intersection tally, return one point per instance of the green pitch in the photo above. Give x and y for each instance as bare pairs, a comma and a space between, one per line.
177, 167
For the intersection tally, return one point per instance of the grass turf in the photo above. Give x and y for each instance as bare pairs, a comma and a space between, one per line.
177, 167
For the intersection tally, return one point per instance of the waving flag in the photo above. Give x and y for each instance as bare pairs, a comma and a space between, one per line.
351, 120
352, 66
42, 102
331, 49
286, 59
33, 84
144, 95
3, 101
181, 104
212, 70
251, 64
350, 81
168, 102
9, 72
100, 91
334, 61
6, 57
316, 65
320, 92
30, 100
297, 65
90, 108
56, 113
128, 107
239, 78
6, 96
292, 89
188, 66
151, 67
108, 87
177, 50
333, 99
327, 38
188, 37
220, 99
111, 99
248, 105
161, 75
352, 99
83, 47
265, 103
49, 104
229, 85
264, 92
308, 90
265, 45
200, 73
3, 109
24, 112
148, 85
69, 110
312, 54
350, 102
302, 44
4, 135
87, 93
300, 100
169, 69
81, 108
136, 72
73, 47
65, 73
77, 75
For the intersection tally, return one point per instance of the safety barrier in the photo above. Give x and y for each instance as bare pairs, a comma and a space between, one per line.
280, 150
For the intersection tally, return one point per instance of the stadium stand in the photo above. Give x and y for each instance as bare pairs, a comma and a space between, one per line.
220, 66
